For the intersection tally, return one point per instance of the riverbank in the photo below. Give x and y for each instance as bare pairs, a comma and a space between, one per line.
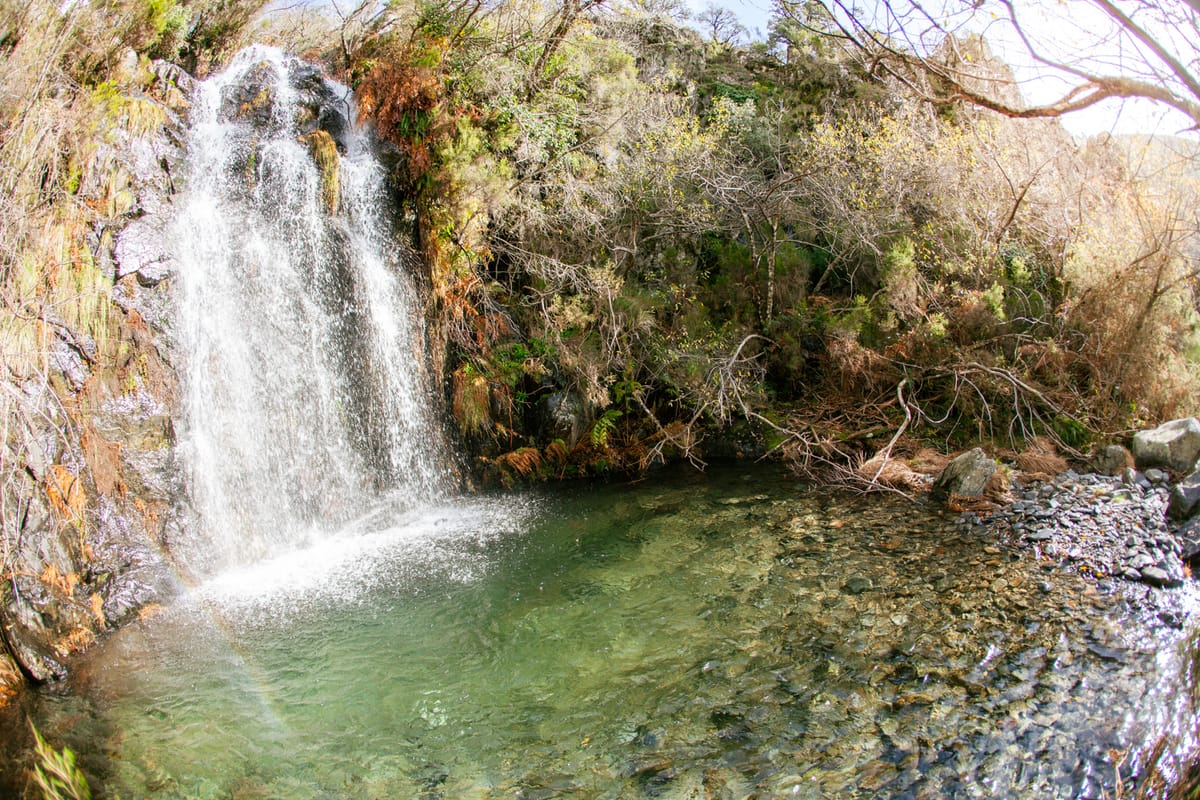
1101, 526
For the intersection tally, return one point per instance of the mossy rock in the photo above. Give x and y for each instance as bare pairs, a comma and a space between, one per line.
325, 154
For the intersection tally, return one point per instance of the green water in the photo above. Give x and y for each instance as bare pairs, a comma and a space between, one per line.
725, 636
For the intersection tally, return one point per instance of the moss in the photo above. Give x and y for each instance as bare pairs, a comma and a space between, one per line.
325, 155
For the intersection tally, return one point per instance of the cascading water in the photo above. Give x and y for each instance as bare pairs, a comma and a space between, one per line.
306, 395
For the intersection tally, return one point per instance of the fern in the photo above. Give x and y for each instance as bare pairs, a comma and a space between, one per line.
525, 461
604, 427
557, 451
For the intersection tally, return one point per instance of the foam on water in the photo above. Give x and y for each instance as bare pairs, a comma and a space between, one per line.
389, 545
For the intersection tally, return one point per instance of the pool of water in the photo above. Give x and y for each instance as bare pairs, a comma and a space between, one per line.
727, 635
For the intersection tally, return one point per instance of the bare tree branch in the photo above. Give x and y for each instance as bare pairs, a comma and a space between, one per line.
898, 37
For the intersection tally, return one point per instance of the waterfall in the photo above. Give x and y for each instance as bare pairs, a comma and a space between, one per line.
305, 393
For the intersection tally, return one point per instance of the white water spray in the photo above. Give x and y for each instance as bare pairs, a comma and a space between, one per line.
305, 389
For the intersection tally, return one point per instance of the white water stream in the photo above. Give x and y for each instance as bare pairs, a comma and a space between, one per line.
305, 384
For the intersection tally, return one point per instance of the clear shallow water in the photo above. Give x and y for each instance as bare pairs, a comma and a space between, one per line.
729, 635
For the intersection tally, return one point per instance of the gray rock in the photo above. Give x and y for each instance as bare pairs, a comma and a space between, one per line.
1173, 445
173, 75
1184, 497
1189, 539
563, 417
1157, 475
857, 585
966, 475
1141, 561
1111, 460
141, 251
24, 635
1159, 577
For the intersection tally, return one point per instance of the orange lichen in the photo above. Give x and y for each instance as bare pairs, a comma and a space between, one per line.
65, 583
97, 607
66, 495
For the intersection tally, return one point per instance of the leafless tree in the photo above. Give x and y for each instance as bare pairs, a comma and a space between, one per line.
1096, 50
721, 25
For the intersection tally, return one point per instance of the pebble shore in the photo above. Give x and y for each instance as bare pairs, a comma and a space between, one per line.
1106, 527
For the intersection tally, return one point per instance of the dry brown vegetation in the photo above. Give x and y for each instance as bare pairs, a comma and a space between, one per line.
691, 234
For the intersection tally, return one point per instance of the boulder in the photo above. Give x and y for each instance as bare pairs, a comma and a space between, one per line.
1188, 537
1156, 576
1173, 445
1185, 496
966, 475
24, 636
562, 417
1112, 460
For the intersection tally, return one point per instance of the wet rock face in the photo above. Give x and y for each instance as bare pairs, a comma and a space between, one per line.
563, 417
140, 251
322, 110
1173, 445
253, 100
88, 454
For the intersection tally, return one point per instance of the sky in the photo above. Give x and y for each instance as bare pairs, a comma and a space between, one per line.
1083, 38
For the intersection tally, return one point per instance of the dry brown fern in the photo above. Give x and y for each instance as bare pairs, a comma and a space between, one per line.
524, 461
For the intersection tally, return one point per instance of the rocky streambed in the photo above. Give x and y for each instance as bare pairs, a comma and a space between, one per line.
728, 635
1105, 527
1136, 519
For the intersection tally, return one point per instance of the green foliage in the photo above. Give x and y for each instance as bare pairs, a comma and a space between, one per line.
604, 427
166, 23
1071, 431
735, 94
647, 204
56, 774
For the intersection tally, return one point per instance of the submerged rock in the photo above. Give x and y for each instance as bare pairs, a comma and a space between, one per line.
857, 585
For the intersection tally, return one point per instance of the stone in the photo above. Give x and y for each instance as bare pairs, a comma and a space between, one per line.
1141, 561
857, 585
1173, 445
563, 417
1111, 460
1185, 496
966, 475
1157, 475
142, 252
1189, 540
1159, 577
